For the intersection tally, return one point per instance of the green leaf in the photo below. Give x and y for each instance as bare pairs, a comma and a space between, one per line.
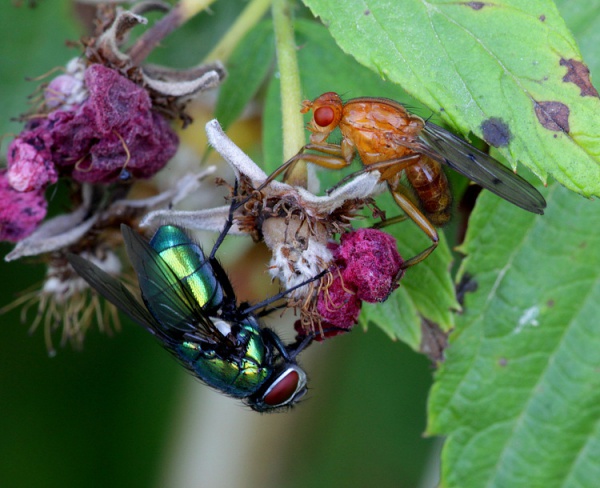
196, 38
404, 316
34, 43
317, 54
427, 289
583, 18
247, 68
509, 71
518, 396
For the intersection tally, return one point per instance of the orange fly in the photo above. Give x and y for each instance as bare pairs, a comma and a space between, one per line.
389, 139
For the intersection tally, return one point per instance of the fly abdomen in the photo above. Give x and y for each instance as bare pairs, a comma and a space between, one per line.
431, 186
188, 263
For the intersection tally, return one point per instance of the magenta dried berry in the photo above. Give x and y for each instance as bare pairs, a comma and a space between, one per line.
370, 263
21, 212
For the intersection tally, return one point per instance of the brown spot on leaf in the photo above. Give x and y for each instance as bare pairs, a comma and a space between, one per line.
467, 284
578, 73
553, 115
550, 303
503, 362
496, 132
475, 5
543, 18
367, 12
434, 341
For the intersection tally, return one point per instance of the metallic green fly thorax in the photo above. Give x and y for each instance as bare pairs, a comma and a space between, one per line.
238, 376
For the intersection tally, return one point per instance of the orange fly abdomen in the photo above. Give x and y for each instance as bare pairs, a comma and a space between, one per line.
432, 188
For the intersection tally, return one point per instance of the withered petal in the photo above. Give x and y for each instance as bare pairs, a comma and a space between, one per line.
150, 6
210, 219
108, 43
183, 83
58, 232
182, 188
40, 242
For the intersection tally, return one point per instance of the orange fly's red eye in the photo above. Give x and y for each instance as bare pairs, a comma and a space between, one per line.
283, 389
324, 116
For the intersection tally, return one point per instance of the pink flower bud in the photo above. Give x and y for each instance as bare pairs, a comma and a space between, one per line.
63, 90
20, 212
30, 165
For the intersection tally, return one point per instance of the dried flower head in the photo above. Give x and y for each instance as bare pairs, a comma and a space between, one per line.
366, 267
65, 302
169, 89
113, 134
104, 120
101, 125
298, 228
64, 299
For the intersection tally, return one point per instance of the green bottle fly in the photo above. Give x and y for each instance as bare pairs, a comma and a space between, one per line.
190, 307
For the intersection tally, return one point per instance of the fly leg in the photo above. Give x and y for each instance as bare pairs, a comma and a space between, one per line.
404, 201
333, 158
384, 223
388, 169
288, 353
292, 350
281, 295
228, 223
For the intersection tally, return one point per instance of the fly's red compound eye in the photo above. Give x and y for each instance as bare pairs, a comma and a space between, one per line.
324, 116
285, 388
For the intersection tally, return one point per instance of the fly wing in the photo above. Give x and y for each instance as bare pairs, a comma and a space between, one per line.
446, 148
113, 290
176, 311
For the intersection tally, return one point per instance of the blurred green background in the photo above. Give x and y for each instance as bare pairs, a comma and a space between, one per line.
122, 412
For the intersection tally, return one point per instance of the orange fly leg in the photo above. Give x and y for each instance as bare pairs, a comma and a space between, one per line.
284, 167
394, 166
331, 149
403, 200
329, 162
394, 220
332, 159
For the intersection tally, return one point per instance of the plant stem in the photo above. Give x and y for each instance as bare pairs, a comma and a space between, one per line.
287, 61
176, 17
249, 17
